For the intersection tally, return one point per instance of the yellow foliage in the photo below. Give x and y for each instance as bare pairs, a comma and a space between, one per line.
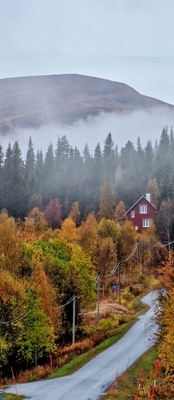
9, 243
166, 319
87, 235
9, 288
68, 230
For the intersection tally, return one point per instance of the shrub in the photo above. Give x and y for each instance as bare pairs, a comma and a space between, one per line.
128, 295
41, 372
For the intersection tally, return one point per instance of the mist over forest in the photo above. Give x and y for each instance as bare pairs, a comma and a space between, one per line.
93, 130
70, 175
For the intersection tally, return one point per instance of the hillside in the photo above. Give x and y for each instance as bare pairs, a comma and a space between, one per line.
40, 100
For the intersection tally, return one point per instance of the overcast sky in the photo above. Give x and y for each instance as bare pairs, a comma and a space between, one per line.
129, 41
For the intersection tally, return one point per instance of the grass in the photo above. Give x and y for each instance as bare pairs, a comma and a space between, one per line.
9, 396
127, 385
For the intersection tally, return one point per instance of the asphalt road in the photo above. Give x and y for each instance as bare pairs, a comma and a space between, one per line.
92, 380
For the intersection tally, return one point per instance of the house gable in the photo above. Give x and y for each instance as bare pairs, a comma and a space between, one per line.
141, 214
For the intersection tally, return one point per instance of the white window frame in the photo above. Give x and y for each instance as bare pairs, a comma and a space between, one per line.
132, 214
146, 223
143, 208
136, 228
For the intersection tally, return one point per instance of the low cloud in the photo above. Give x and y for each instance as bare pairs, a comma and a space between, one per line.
123, 127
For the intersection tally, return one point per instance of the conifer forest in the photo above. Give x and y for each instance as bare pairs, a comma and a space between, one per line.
69, 176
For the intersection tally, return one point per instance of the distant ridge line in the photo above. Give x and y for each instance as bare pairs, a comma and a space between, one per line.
34, 101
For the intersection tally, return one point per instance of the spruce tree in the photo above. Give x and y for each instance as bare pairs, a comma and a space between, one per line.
49, 184
15, 190
30, 177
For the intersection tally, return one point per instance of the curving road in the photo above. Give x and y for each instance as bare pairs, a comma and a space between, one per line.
92, 380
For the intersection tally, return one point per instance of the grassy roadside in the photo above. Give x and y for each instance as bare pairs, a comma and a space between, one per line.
8, 396
127, 385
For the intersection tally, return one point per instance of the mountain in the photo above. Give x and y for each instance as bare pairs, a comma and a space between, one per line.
31, 102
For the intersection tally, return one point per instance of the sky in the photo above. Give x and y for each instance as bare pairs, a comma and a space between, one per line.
129, 41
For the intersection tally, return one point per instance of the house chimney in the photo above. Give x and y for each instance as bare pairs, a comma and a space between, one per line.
148, 197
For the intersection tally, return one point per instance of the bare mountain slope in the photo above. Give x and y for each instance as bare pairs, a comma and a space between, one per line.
35, 101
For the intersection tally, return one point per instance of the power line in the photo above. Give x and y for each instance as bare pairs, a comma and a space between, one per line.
16, 319
117, 265
131, 254
111, 273
68, 302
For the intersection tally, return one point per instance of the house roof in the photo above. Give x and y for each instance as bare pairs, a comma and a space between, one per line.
142, 197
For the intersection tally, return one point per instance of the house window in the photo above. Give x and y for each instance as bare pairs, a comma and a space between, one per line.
132, 214
146, 223
136, 228
143, 209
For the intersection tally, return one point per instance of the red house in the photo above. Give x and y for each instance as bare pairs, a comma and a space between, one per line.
141, 213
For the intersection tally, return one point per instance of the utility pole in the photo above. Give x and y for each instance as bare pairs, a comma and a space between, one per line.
98, 297
119, 297
138, 258
74, 319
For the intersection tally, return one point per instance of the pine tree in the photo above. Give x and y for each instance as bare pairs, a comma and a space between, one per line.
98, 167
49, 189
39, 171
149, 155
30, 177
15, 187
109, 157
7, 175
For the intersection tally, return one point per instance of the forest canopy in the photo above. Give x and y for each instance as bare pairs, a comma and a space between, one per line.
65, 174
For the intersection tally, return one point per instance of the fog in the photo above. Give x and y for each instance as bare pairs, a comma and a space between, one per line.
123, 127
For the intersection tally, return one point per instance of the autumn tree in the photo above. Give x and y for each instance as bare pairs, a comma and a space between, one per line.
107, 200
12, 300
87, 234
108, 228
45, 293
165, 312
120, 212
36, 219
70, 271
68, 230
125, 246
9, 243
37, 334
52, 214
75, 213
105, 259
118, 174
